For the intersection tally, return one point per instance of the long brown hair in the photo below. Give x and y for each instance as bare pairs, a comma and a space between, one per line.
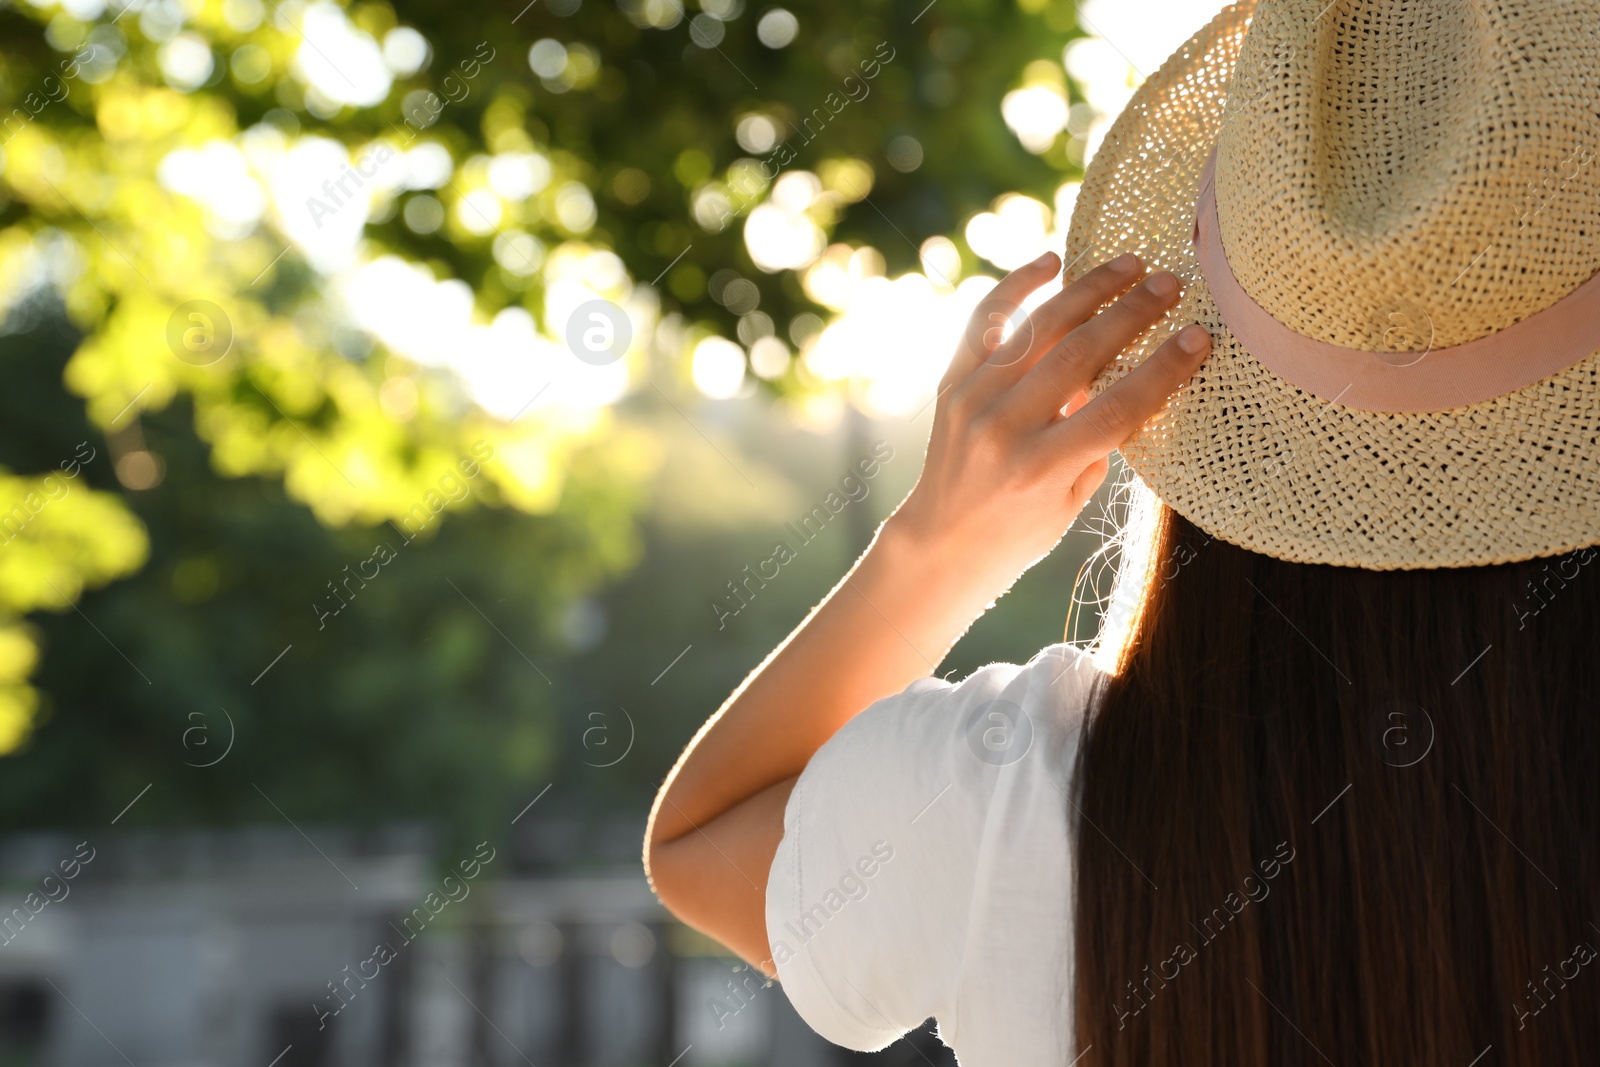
1340, 816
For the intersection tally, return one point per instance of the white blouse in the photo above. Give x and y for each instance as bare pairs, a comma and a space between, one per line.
925, 867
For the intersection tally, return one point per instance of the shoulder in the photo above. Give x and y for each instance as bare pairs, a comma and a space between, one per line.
871, 891
989, 719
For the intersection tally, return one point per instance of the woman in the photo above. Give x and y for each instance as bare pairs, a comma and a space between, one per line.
1327, 792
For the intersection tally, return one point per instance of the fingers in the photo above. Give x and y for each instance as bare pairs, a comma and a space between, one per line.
987, 325
1093, 476
1108, 420
1073, 362
1066, 311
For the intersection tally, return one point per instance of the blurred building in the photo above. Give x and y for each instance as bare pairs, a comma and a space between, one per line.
260, 948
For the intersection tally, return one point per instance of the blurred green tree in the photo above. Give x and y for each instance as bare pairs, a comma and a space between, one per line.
228, 230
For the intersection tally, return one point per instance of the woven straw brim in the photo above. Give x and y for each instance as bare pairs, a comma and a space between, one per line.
1261, 464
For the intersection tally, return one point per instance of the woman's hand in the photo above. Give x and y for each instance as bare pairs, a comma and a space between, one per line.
1016, 451
1005, 476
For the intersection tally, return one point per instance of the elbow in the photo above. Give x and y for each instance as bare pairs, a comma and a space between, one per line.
668, 879
676, 874
661, 871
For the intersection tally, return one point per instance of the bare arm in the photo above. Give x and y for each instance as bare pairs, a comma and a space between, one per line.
1014, 455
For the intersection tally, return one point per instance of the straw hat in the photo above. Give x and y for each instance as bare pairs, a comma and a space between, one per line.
1387, 213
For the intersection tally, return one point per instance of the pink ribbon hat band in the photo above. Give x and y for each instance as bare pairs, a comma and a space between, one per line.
1537, 347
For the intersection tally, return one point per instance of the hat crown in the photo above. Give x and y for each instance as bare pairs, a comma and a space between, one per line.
1248, 453
1406, 175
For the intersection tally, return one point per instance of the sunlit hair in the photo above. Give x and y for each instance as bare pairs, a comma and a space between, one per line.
1115, 581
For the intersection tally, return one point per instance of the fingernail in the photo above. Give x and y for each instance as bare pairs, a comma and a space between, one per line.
1125, 264
1193, 338
1162, 284
1042, 260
